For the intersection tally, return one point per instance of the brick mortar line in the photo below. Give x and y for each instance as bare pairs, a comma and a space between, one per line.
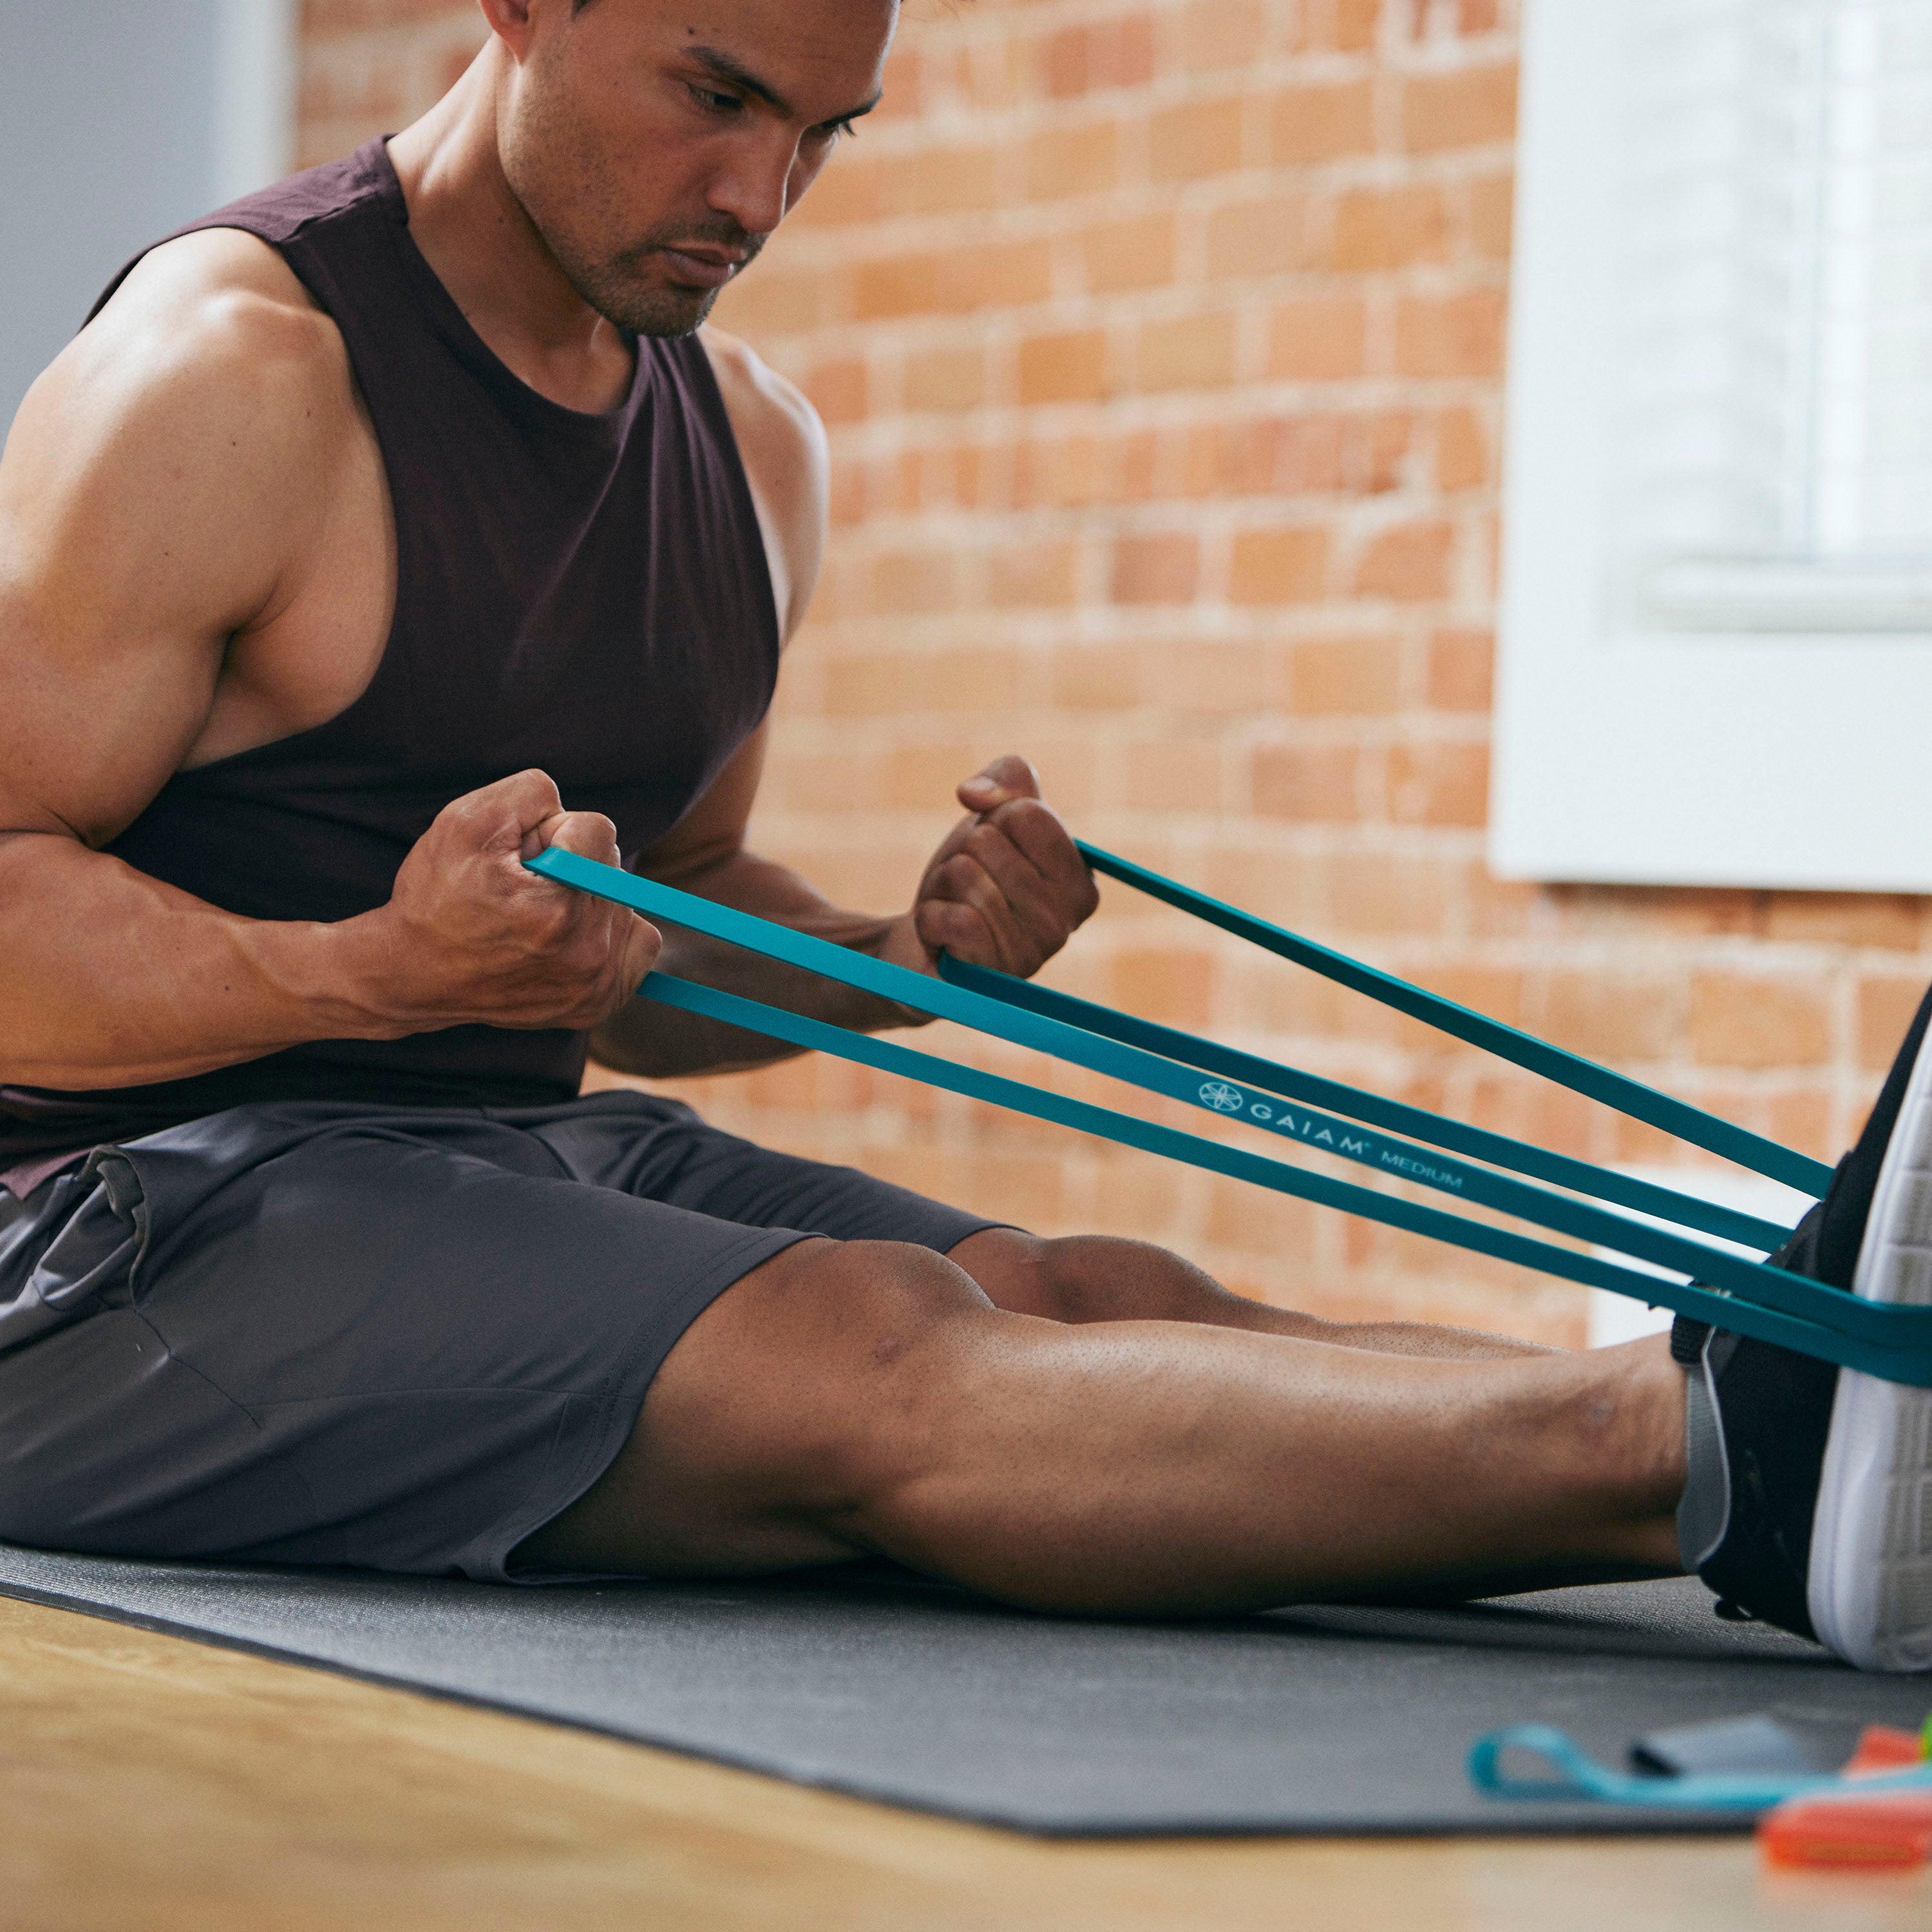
869, 244
880, 347
1247, 513
1282, 508
1078, 624
924, 331
1376, 169
1006, 432
1170, 83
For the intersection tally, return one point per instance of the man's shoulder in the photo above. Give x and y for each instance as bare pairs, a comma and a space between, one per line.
162, 481
209, 386
764, 407
186, 441
781, 443
218, 307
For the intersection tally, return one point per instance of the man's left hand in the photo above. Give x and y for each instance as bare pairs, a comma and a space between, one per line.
1007, 887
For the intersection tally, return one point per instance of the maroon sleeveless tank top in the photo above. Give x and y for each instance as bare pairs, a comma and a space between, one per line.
587, 593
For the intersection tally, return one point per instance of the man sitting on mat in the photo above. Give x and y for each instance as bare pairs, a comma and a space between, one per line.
394, 523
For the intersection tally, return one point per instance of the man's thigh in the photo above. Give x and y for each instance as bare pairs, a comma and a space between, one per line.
316, 1339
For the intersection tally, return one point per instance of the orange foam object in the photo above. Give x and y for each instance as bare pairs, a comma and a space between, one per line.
1883, 1748
1892, 1830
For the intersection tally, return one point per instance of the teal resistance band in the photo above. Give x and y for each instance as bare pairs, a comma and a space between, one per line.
1498, 1150
1580, 1775
1581, 1076
1751, 1297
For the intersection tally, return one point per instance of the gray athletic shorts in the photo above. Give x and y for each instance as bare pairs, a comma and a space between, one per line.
403, 1340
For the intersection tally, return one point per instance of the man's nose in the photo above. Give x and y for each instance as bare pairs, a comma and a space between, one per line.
755, 189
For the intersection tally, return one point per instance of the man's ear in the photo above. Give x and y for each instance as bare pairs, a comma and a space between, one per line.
510, 21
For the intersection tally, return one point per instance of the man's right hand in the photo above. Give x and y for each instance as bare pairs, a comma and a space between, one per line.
470, 934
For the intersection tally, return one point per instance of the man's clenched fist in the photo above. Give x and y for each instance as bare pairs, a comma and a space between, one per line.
1007, 887
469, 935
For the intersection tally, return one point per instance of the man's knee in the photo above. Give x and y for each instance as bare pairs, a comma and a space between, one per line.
871, 1301
801, 1397
816, 1371
1080, 1278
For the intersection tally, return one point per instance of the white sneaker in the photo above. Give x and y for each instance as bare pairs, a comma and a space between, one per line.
1809, 1504
1869, 1579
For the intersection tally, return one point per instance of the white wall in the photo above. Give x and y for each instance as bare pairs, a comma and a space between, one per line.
120, 120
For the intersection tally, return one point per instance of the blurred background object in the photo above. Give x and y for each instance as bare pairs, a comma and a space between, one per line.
119, 120
1161, 347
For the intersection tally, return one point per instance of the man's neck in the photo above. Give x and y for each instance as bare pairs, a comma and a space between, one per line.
474, 233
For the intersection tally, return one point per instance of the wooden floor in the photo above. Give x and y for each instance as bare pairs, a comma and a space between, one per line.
146, 1782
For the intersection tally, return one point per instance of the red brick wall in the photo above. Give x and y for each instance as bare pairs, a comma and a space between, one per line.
1160, 343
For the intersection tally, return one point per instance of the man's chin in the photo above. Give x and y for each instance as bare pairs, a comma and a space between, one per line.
661, 311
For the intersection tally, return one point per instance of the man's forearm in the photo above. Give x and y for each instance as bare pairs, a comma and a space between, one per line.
660, 1043
109, 978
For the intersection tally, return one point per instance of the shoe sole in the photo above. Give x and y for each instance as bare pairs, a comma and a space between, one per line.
1869, 1584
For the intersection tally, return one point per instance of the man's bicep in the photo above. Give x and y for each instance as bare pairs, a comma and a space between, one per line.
84, 745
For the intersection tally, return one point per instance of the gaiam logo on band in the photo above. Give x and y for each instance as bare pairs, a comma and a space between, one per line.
1222, 1098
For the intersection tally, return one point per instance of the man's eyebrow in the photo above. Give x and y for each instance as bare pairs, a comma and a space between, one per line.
715, 60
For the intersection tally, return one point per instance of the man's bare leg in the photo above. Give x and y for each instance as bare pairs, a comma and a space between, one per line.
868, 1398
1102, 1278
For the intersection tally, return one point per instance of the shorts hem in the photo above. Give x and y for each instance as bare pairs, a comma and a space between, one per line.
614, 1412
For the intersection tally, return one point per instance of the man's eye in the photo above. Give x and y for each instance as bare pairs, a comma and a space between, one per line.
715, 102
837, 130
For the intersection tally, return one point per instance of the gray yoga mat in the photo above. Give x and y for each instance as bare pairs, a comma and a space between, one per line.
1331, 1719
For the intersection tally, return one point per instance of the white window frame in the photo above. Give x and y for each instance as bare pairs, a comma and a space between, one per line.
1790, 745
